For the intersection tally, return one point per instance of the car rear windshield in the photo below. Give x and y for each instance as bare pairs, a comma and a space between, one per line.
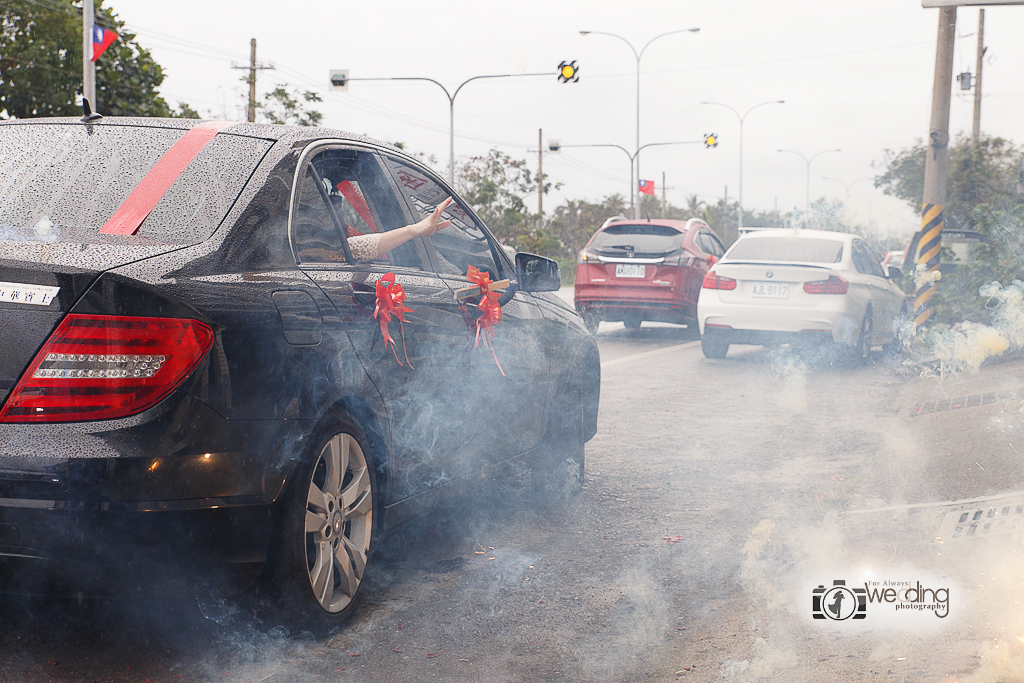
62, 182
640, 237
788, 249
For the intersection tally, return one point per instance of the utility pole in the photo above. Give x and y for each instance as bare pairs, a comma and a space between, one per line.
936, 163
253, 68
662, 195
252, 81
88, 66
976, 128
540, 177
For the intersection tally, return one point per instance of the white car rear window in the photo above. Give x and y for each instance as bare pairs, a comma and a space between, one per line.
788, 249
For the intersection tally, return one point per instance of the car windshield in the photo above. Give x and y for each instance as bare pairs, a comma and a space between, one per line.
65, 182
637, 237
787, 249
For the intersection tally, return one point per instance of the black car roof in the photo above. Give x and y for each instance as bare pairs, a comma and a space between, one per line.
256, 130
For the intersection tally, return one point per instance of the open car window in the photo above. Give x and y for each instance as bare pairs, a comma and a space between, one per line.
342, 197
462, 244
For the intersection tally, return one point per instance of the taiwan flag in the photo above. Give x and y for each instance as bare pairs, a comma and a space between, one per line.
647, 186
101, 39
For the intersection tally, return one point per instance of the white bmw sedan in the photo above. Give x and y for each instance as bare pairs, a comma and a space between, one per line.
801, 287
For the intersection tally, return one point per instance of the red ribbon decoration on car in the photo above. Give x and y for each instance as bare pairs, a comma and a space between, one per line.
390, 303
490, 311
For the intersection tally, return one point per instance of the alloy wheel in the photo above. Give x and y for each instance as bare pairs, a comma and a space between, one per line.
339, 522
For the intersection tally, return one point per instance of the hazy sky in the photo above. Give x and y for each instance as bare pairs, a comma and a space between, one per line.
855, 75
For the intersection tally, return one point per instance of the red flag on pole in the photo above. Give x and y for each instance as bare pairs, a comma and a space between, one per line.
101, 39
647, 187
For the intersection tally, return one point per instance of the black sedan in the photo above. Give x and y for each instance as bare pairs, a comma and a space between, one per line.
195, 367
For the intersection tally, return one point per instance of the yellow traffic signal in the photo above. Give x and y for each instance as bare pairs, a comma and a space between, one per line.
711, 140
568, 72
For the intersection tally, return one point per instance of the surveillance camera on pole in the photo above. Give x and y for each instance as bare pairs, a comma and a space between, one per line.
339, 79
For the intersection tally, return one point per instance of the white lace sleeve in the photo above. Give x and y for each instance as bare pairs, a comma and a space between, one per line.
364, 247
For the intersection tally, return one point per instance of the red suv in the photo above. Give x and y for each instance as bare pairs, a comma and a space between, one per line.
636, 270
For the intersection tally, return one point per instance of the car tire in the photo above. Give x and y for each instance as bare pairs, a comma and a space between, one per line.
713, 345
632, 322
862, 352
329, 527
591, 321
558, 468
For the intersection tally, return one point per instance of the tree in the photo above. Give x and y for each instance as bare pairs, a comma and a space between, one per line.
496, 186
987, 171
984, 193
288, 108
574, 221
41, 64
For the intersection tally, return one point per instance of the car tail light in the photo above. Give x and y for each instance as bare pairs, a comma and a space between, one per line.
583, 257
833, 285
713, 280
98, 367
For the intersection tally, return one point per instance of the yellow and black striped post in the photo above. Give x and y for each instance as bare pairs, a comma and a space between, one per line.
929, 248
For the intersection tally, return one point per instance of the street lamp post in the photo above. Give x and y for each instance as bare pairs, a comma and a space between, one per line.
808, 162
451, 105
633, 193
633, 157
741, 118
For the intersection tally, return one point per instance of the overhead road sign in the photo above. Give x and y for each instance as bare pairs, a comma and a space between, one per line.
968, 3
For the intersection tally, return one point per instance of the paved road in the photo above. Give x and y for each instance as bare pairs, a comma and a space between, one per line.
718, 494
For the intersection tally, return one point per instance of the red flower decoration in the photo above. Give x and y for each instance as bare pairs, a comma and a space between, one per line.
490, 312
390, 298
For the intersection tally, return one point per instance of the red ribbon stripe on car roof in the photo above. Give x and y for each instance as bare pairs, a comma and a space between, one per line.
148, 193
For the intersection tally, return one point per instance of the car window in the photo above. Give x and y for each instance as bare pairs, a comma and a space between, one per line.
460, 245
74, 179
792, 249
717, 248
865, 260
709, 244
641, 238
342, 194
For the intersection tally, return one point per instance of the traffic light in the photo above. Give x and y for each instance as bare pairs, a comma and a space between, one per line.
710, 140
568, 72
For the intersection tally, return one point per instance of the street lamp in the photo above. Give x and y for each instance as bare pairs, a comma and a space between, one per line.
741, 118
568, 72
633, 157
808, 162
633, 193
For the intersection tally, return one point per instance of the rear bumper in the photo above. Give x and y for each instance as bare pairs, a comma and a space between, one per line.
177, 483
829, 319
658, 304
769, 337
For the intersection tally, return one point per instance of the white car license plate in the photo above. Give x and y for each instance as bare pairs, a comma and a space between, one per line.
630, 270
771, 290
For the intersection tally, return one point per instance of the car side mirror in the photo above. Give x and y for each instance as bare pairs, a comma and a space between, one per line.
895, 273
712, 259
537, 274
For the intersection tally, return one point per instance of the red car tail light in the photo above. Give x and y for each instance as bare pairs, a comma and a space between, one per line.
99, 367
714, 281
833, 285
